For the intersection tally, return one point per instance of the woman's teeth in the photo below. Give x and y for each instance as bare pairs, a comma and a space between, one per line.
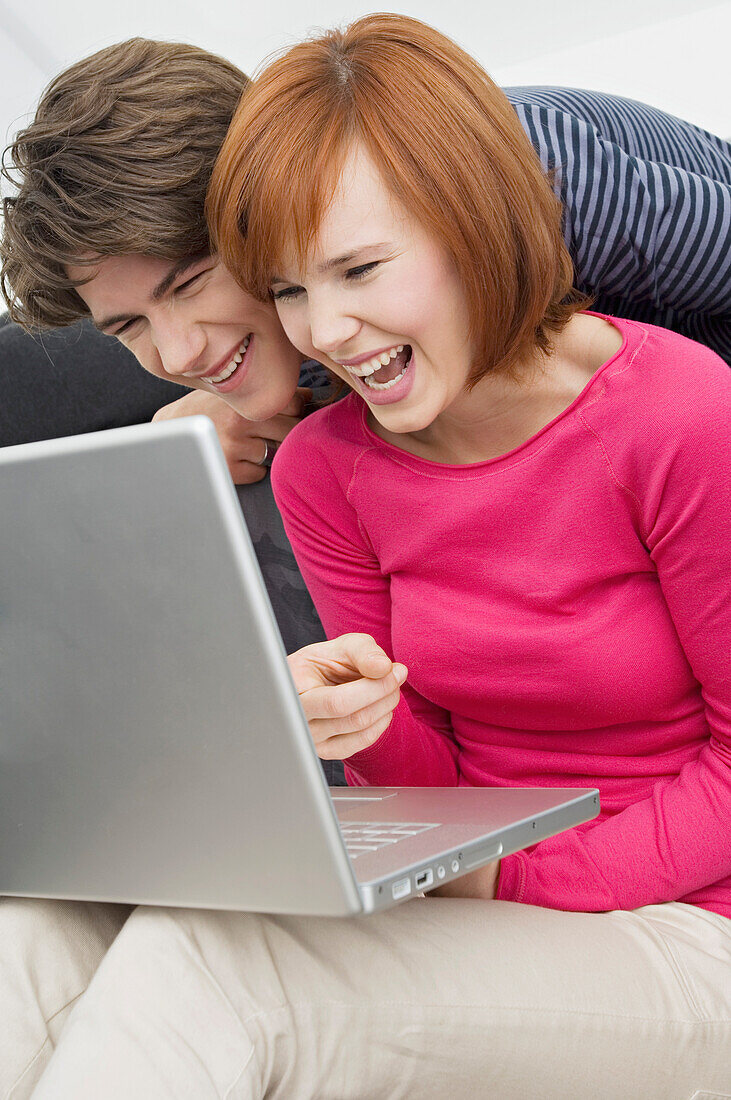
228, 371
372, 384
363, 370
367, 370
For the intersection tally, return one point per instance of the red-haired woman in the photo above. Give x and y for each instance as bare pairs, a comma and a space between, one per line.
526, 505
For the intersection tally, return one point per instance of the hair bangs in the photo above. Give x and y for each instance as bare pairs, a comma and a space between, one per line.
269, 193
451, 152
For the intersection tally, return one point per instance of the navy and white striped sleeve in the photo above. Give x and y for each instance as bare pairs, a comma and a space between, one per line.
647, 201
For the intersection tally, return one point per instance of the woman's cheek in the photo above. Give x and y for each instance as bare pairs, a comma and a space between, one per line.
295, 329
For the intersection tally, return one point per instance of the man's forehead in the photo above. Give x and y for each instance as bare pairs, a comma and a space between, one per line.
137, 271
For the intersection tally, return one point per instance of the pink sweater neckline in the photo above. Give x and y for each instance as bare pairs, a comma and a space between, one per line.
623, 326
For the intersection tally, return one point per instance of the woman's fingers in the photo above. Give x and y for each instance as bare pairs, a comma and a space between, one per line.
345, 745
339, 702
338, 737
338, 661
355, 721
349, 689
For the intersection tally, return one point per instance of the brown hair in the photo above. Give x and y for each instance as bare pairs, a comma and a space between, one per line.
450, 149
116, 161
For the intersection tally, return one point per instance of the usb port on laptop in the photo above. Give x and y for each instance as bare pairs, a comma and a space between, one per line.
424, 879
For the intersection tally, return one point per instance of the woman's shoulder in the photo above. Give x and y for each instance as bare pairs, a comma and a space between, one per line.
327, 439
663, 381
661, 411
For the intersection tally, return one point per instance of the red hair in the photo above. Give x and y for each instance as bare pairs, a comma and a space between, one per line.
450, 150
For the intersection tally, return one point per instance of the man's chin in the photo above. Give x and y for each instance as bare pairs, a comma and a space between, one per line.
259, 410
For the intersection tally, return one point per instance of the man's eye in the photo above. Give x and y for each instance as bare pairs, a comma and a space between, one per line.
190, 281
362, 270
286, 294
126, 327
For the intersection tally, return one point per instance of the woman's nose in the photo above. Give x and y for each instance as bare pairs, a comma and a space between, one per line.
331, 328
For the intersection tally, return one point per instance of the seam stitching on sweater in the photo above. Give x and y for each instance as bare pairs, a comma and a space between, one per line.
361, 455
608, 462
476, 475
619, 370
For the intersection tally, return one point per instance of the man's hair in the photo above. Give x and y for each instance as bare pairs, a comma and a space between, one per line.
116, 161
450, 150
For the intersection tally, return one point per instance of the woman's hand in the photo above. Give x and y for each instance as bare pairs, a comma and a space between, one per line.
349, 689
242, 441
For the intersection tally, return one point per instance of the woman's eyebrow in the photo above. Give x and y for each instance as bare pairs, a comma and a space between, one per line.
340, 261
352, 254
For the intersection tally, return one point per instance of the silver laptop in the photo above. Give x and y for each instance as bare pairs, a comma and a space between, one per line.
152, 744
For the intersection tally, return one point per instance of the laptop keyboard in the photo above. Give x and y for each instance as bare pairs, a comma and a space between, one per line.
364, 836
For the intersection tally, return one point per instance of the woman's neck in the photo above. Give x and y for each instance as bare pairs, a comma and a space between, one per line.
501, 412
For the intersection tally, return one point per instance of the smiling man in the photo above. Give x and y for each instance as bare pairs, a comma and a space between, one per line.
191, 323
107, 223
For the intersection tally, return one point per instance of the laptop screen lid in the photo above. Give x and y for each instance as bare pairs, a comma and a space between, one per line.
152, 745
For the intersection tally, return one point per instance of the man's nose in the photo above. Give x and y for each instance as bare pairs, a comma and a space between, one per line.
181, 348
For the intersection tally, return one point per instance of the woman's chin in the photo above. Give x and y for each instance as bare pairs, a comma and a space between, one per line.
400, 420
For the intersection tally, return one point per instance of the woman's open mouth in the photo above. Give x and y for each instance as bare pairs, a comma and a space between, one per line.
383, 375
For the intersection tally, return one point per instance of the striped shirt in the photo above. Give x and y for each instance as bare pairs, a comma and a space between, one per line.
647, 200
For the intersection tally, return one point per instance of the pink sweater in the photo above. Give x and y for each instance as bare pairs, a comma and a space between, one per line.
564, 612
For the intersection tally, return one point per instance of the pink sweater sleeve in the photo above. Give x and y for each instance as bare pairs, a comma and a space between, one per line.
678, 840
347, 587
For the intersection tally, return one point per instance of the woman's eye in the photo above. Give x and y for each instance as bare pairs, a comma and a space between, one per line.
287, 294
361, 270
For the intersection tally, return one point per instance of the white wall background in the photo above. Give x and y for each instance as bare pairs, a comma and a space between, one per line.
671, 53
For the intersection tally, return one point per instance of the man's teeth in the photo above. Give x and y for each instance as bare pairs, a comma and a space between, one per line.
363, 370
228, 370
